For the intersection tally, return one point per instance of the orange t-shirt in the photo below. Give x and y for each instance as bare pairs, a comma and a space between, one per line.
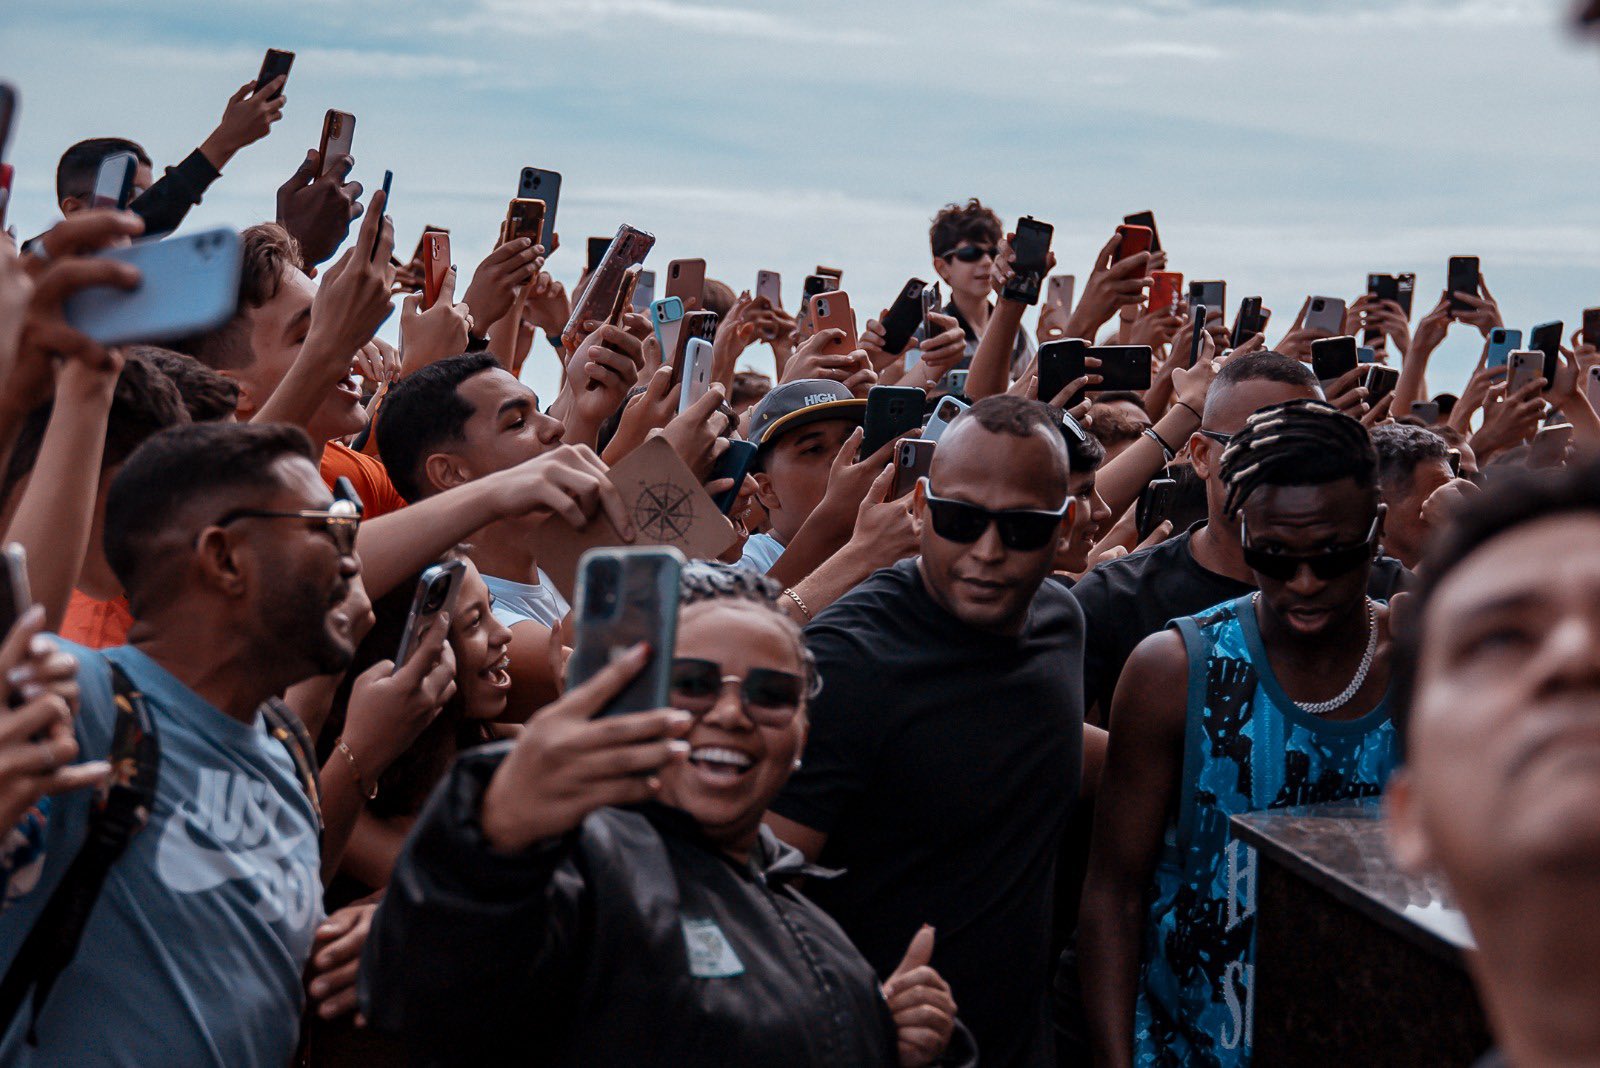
378, 495
96, 624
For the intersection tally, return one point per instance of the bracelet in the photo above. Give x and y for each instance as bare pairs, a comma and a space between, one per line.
355, 769
1167, 451
798, 603
1189, 406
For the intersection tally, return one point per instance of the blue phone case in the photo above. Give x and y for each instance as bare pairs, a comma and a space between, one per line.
666, 319
1499, 350
189, 284
944, 413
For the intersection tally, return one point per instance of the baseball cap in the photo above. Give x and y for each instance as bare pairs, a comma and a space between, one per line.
799, 403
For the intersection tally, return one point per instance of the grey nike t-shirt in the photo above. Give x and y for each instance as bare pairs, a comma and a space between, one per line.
194, 952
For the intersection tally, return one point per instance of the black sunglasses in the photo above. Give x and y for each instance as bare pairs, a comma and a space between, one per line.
971, 253
1022, 529
1327, 564
1217, 436
771, 698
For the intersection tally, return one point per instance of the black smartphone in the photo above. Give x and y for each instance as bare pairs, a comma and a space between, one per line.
1031, 247
1427, 411
734, 463
388, 181
1379, 287
1146, 218
1591, 326
277, 62
436, 592
537, 184
8, 115
904, 316
1380, 382
1212, 294
891, 412
1332, 357
597, 250
1122, 367
1249, 322
1546, 337
1198, 334
626, 596
912, 459
817, 283
14, 596
1061, 364
1155, 505
932, 301
1463, 278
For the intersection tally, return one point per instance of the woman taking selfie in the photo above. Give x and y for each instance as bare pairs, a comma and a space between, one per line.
530, 919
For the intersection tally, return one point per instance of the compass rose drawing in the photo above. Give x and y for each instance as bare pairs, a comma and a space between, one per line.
664, 511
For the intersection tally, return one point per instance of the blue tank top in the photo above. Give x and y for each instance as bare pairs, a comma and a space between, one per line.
1247, 747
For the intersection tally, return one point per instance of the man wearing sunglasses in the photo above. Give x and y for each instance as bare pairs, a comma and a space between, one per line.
945, 745
965, 238
1275, 699
236, 560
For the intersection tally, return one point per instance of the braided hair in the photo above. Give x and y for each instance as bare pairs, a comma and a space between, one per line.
1296, 443
705, 581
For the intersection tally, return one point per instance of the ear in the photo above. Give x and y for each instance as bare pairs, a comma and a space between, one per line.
443, 471
219, 563
942, 269
1200, 454
69, 205
1403, 824
765, 494
1383, 514
246, 405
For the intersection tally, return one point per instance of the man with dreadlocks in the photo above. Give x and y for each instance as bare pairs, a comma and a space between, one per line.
1275, 699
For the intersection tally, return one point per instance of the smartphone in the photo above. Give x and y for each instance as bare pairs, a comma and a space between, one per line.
817, 283
932, 302
1031, 247
1388, 287
1061, 364
597, 252
1155, 505
628, 248
1591, 387
831, 272
1332, 357
188, 284
1427, 411
113, 183
624, 301
388, 183
734, 463
8, 115
1146, 219
1058, 291
644, 294
1122, 367
903, 317
1325, 314
525, 218
7, 175
702, 324
1135, 239
912, 459
536, 184
338, 136
696, 372
1212, 294
955, 382
1550, 444
892, 411
687, 279
626, 596
1591, 326
1523, 366
831, 311
1380, 382
1501, 341
1546, 338
1164, 289
666, 318
769, 285
1366, 354
436, 592
1199, 313
435, 265
944, 413
1463, 278
277, 62
1249, 321
14, 596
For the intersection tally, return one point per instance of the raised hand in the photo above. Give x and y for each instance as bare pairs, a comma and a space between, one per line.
248, 118
317, 208
390, 707
429, 336
1112, 284
696, 434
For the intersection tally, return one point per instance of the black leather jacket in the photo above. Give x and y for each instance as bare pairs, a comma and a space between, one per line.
630, 941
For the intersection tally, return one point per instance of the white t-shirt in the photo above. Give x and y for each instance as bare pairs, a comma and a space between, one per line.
761, 551
515, 602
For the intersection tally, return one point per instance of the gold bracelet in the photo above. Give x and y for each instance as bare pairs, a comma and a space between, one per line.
355, 769
798, 603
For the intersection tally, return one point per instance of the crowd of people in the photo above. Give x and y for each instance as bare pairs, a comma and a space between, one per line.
949, 761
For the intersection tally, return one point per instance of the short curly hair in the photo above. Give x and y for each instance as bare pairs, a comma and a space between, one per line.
704, 581
955, 223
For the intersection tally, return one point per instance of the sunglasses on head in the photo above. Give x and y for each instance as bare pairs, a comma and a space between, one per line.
971, 253
1327, 564
1022, 529
771, 698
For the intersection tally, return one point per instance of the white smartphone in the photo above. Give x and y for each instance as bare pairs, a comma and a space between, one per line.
188, 284
696, 372
1059, 290
944, 413
14, 596
1325, 314
770, 285
1524, 365
644, 293
1591, 387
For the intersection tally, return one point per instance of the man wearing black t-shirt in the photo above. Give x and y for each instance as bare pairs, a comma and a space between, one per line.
946, 744
1127, 600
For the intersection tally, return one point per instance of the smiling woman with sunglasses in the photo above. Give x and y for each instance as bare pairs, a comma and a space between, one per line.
553, 926
1283, 697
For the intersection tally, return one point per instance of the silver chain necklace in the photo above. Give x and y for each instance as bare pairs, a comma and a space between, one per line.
1322, 708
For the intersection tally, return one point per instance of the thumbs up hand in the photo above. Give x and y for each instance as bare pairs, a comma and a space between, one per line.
919, 1000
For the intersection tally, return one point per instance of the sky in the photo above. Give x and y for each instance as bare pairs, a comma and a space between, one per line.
1288, 147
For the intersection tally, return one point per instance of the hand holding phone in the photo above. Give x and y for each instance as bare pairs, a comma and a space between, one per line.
545, 187
1031, 251
1463, 278
187, 285
892, 411
626, 596
338, 138
436, 593
276, 64
435, 265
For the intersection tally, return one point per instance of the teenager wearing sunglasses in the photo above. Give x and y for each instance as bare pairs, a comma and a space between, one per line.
1276, 698
965, 239
945, 744
558, 927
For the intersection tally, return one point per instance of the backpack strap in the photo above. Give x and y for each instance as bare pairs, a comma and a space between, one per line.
117, 813
286, 727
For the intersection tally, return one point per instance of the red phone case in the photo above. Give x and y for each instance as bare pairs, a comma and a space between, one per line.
435, 265
1135, 239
